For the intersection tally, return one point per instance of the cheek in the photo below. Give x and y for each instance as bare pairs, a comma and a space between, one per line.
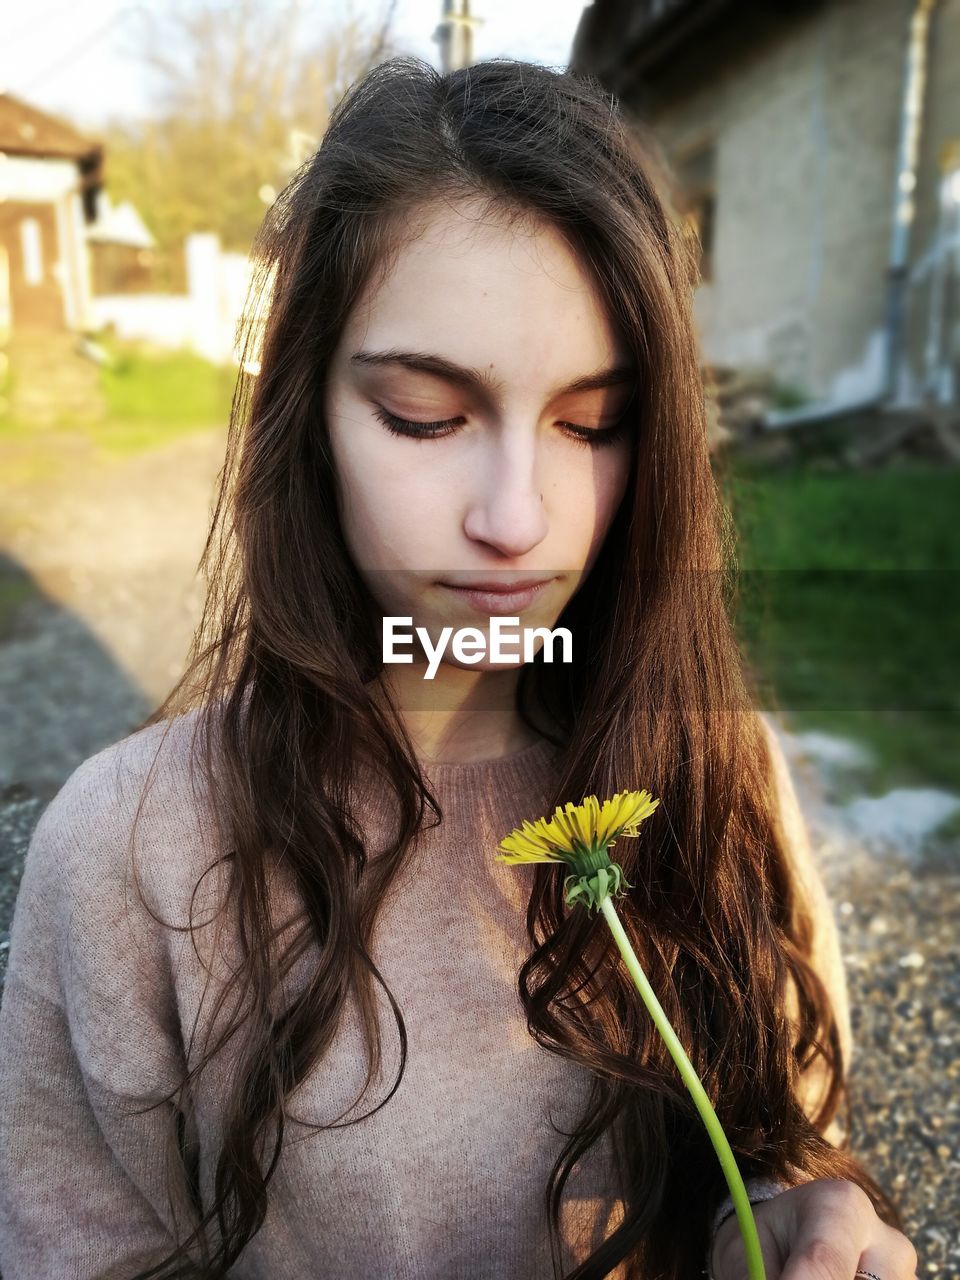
380, 489
376, 519
585, 500
616, 475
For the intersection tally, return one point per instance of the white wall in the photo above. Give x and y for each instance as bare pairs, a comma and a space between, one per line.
204, 319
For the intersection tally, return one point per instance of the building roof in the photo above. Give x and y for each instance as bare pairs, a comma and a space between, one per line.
25, 130
621, 41
119, 224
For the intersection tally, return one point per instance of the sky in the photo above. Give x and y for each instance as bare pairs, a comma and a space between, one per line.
76, 60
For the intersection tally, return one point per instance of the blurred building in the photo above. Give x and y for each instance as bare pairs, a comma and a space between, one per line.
49, 177
50, 174
816, 147
121, 249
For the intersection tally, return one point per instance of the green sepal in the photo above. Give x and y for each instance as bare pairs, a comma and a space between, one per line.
608, 881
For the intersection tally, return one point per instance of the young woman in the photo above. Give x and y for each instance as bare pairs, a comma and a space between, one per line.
477, 371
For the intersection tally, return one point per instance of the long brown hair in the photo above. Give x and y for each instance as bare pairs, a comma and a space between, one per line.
283, 662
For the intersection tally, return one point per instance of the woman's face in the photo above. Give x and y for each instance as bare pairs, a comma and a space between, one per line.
478, 338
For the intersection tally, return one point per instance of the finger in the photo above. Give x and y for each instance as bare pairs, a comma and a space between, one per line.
828, 1244
892, 1257
824, 1254
822, 1257
883, 1269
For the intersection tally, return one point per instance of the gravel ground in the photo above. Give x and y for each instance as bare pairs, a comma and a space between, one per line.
100, 567
897, 915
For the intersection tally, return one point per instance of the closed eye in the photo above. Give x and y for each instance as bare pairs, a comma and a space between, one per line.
594, 437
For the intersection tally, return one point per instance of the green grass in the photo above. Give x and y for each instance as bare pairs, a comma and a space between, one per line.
848, 609
151, 397
151, 394
903, 518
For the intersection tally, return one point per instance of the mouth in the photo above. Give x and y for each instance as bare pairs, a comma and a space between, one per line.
500, 599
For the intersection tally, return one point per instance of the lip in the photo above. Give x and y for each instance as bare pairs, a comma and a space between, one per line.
502, 600
491, 584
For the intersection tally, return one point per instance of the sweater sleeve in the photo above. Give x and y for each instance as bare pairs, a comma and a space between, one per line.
826, 957
88, 1030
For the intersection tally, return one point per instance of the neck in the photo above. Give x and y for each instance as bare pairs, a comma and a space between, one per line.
459, 716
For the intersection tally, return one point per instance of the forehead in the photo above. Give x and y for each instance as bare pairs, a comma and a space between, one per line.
487, 289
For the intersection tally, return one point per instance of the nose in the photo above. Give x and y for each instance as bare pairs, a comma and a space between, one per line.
507, 513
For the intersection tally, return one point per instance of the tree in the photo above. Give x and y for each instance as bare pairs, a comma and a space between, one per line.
242, 96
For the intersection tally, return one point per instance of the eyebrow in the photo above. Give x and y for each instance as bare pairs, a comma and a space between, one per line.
480, 379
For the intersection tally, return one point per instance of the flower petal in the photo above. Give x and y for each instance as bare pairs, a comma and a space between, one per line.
577, 828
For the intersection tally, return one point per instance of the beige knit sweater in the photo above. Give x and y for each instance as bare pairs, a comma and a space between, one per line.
446, 1181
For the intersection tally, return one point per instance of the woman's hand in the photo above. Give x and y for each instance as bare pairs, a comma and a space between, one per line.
826, 1229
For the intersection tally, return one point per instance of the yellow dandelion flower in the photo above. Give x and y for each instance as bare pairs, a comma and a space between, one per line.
577, 830
581, 835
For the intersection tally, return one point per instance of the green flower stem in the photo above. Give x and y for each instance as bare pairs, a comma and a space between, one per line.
748, 1226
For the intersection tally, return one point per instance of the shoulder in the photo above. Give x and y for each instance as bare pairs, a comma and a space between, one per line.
774, 745
101, 795
825, 950
788, 811
145, 786
803, 863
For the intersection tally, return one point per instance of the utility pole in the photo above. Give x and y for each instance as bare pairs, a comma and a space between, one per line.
454, 35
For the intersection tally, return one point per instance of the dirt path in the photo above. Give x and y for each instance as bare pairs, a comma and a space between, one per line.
99, 601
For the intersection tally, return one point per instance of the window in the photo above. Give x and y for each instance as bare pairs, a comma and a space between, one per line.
31, 247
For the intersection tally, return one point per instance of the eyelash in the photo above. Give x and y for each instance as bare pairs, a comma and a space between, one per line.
430, 430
